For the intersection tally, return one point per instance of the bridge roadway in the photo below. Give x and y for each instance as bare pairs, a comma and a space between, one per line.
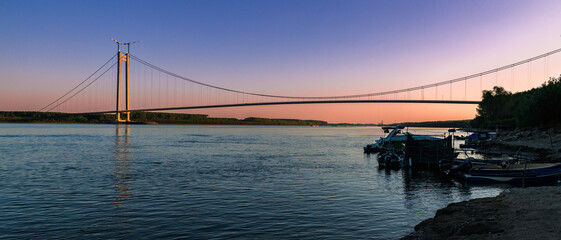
290, 103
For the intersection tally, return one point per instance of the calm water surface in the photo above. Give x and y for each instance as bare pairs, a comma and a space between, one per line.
200, 182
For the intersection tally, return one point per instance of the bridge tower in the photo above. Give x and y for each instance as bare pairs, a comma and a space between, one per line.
123, 57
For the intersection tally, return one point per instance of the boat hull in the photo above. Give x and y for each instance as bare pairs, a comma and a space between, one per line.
514, 176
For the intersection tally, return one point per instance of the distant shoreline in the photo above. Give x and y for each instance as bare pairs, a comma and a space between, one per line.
147, 118
151, 118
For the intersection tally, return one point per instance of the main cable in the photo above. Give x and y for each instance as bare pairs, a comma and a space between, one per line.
357, 95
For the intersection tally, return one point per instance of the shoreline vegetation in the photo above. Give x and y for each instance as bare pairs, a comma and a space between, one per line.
190, 119
535, 108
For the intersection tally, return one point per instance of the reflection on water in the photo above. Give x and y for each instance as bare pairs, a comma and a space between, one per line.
122, 182
431, 186
122, 167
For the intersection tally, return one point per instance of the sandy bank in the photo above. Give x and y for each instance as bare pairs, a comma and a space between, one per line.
530, 213
545, 146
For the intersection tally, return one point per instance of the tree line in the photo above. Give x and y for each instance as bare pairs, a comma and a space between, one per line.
538, 107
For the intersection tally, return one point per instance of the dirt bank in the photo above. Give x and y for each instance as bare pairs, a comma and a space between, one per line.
530, 213
544, 146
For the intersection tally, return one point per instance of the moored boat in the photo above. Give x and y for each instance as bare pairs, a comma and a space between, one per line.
395, 139
512, 173
390, 160
516, 173
478, 138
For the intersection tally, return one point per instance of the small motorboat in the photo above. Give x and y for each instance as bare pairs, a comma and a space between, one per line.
390, 160
478, 138
511, 173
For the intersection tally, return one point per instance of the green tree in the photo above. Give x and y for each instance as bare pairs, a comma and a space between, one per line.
496, 106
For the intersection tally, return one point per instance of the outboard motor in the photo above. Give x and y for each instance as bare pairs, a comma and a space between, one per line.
444, 164
463, 167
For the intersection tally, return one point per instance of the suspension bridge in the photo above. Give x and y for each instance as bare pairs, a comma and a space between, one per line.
149, 87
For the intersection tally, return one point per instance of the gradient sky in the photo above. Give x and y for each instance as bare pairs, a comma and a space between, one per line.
311, 48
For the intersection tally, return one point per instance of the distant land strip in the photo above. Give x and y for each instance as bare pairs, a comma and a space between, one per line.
183, 118
148, 118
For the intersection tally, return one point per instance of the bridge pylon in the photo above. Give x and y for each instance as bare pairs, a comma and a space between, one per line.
123, 58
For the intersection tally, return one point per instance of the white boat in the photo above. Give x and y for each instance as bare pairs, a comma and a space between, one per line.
395, 139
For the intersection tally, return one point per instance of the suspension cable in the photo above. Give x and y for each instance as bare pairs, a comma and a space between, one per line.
78, 84
112, 66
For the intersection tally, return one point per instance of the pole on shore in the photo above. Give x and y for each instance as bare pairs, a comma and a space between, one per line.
524, 175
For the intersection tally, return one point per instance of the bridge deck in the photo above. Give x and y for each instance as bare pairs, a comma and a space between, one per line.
292, 103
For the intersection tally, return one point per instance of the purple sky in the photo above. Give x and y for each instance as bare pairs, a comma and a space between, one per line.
312, 48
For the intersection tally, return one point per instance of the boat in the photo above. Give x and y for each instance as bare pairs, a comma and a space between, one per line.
462, 137
507, 173
457, 165
477, 138
395, 139
516, 173
390, 160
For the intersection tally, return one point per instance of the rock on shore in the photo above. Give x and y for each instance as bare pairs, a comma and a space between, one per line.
529, 213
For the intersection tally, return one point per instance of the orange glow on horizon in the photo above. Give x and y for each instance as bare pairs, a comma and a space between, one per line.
350, 113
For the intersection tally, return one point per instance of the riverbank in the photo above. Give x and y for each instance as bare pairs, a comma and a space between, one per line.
529, 213
543, 146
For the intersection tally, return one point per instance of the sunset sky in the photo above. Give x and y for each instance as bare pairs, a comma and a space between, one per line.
295, 48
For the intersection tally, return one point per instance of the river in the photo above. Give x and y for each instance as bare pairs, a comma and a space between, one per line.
76, 181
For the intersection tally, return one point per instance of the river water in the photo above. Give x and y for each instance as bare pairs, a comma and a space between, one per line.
76, 181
